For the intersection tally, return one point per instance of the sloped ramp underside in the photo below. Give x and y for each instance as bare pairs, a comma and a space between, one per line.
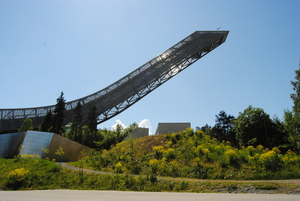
120, 95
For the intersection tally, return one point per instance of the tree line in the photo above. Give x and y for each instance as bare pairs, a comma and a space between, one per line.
254, 126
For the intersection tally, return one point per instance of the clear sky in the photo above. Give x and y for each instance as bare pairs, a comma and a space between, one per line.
80, 47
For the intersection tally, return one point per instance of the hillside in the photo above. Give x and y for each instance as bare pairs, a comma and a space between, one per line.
193, 154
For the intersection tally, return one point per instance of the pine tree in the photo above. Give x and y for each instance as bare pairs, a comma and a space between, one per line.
90, 130
92, 118
223, 127
59, 114
76, 128
47, 122
26, 125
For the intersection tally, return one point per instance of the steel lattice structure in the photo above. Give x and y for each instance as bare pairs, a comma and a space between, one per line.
120, 95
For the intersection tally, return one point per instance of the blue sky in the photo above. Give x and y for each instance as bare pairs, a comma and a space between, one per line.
80, 47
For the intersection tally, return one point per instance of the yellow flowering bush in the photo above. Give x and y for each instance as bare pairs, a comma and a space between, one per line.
205, 150
157, 148
154, 165
153, 162
158, 151
251, 150
197, 159
230, 153
17, 174
164, 159
270, 160
290, 158
199, 133
260, 147
169, 153
195, 162
267, 156
119, 167
30, 156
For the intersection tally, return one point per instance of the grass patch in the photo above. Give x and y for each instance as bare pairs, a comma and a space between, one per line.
38, 174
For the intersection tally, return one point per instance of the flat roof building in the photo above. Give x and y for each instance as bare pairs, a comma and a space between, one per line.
139, 132
165, 128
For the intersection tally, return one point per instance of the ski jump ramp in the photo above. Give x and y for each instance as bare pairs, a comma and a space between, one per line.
123, 93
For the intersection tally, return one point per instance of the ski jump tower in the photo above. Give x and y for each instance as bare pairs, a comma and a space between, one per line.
122, 94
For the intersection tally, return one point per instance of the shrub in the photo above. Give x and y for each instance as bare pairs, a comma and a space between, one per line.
270, 160
18, 178
194, 154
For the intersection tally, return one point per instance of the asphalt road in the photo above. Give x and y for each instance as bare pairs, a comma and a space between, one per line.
75, 195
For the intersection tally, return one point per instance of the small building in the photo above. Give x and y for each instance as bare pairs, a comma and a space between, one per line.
165, 128
139, 132
33, 143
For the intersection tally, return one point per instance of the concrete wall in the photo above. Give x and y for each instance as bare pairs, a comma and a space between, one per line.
72, 150
165, 128
140, 132
10, 144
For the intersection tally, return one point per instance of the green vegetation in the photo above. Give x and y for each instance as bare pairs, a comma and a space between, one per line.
250, 147
292, 118
38, 174
26, 125
193, 154
149, 163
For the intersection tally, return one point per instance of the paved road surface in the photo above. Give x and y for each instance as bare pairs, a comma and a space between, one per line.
74, 195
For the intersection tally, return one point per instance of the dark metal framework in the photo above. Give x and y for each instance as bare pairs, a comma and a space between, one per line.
120, 95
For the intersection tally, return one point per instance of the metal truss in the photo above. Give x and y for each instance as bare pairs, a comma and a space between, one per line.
122, 94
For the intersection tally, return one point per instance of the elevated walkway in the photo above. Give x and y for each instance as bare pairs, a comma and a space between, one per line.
123, 93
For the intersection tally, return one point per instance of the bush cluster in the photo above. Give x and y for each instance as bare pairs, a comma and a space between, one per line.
31, 173
194, 154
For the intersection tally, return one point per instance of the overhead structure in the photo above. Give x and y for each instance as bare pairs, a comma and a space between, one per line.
122, 94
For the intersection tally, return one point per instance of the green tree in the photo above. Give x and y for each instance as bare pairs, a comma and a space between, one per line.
59, 115
26, 125
204, 128
253, 127
128, 130
76, 127
223, 127
292, 118
92, 118
280, 135
110, 138
47, 122
90, 130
